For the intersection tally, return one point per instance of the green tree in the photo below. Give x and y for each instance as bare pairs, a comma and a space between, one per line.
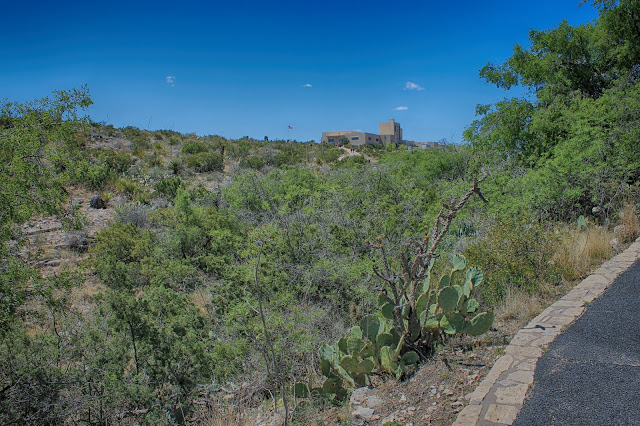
568, 140
30, 135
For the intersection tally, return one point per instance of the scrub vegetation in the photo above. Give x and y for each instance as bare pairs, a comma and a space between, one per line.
237, 273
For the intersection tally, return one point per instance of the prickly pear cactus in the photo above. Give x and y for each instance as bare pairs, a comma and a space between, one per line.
451, 308
391, 340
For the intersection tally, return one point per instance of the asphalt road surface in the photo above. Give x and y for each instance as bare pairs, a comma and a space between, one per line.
591, 373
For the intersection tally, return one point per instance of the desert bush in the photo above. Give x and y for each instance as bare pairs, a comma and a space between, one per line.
106, 196
93, 176
205, 162
290, 154
155, 160
77, 241
159, 148
139, 138
327, 154
132, 213
175, 166
119, 162
515, 253
127, 186
168, 186
194, 147
253, 162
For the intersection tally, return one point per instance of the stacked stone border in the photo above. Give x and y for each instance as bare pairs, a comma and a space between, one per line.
500, 396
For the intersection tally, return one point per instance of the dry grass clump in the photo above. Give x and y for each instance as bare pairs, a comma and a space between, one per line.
223, 417
629, 223
579, 250
202, 298
519, 307
597, 247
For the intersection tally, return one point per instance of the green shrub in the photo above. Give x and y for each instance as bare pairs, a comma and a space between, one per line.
118, 162
327, 154
194, 148
118, 253
515, 253
155, 160
253, 162
290, 154
133, 190
175, 166
140, 138
168, 187
93, 176
206, 162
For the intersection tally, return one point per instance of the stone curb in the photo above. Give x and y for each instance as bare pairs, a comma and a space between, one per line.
500, 396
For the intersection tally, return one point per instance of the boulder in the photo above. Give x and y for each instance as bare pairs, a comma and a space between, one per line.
97, 202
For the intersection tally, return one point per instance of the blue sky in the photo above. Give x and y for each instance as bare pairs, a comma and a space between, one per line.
254, 68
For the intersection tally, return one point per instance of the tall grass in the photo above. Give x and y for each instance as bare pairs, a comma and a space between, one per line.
223, 417
578, 251
630, 225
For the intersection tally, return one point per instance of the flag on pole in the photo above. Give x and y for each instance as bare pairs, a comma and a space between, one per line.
290, 127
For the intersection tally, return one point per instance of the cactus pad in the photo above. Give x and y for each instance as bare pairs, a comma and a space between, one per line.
480, 324
448, 299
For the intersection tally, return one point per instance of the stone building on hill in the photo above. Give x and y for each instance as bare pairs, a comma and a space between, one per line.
389, 133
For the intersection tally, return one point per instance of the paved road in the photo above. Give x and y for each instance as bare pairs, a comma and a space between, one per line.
591, 373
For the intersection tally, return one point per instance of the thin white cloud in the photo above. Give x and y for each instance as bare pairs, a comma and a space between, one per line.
401, 108
307, 85
410, 85
170, 80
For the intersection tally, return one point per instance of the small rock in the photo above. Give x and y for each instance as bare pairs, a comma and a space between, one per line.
364, 413
97, 202
373, 401
456, 404
448, 392
411, 409
403, 398
393, 417
359, 395
134, 159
